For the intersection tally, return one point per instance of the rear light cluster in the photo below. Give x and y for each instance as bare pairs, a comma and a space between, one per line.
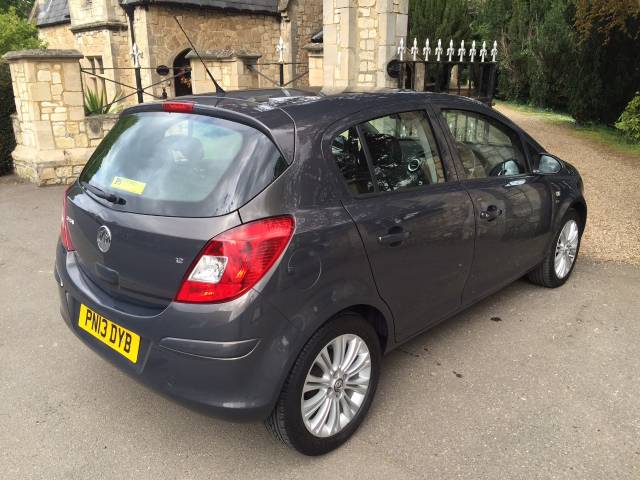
65, 235
234, 261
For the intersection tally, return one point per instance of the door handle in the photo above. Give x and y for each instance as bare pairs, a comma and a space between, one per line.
395, 237
491, 213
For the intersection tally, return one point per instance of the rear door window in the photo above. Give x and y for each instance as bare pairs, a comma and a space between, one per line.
175, 164
351, 161
403, 151
389, 153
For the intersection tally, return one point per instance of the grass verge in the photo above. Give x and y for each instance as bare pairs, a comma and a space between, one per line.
607, 136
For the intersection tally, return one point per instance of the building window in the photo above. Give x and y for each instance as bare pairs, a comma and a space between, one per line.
96, 84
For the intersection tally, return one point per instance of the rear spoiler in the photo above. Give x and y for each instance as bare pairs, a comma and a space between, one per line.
281, 130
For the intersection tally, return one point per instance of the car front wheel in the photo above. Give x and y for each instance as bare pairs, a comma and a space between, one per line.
330, 387
558, 264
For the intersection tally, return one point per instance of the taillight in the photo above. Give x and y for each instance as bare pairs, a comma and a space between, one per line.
178, 107
65, 235
234, 261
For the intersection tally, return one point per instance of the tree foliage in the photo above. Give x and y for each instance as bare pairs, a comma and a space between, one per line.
16, 33
580, 56
629, 121
607, 68
22, 7
433, 19
7, 107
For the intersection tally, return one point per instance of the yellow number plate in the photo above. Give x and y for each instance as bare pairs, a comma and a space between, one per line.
123, 341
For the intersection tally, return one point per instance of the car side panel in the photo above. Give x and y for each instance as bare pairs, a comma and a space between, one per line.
566, 194
325, 268
511, 244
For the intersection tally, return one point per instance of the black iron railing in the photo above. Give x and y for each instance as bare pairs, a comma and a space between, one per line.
472, 73
470, 79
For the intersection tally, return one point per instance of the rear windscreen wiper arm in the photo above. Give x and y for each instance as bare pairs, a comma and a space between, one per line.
98, 192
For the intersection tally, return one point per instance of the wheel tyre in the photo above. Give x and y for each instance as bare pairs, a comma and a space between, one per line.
545, 274
286, 423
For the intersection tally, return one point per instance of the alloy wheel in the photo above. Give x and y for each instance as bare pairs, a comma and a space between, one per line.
566, 248
336, 385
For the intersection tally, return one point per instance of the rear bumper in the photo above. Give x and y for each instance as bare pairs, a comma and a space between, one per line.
230, 359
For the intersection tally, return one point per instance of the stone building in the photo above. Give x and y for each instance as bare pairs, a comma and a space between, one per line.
237, 40
103, 32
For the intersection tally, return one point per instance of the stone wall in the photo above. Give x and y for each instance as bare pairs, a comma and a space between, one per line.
316, 64
305, 20
90, 12
111, 45
360, 38
98, 28
228, 67
158, 34
54, 139
57, 36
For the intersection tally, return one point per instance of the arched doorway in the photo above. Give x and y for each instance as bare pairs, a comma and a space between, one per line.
182, 68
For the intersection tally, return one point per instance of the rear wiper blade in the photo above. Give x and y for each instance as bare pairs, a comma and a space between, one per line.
98, 192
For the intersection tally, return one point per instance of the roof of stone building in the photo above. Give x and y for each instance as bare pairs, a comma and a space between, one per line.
53, 12
263, 6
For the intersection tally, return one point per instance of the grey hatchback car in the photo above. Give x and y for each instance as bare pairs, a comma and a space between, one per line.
257, 253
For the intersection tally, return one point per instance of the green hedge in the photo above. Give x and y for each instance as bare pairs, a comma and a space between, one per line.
7, 107
629, 121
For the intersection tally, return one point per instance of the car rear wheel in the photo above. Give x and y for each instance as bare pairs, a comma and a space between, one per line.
330, 387
557, 266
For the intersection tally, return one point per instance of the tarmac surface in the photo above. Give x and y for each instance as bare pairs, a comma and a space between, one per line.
530, 383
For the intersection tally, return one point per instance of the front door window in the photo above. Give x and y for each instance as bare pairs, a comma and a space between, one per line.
486, 148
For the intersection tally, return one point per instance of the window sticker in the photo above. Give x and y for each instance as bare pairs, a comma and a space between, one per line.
128, 185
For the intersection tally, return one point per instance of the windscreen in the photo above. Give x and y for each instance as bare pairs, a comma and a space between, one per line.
176, 164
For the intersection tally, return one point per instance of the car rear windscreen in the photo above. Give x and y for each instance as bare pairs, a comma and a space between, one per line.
185, 165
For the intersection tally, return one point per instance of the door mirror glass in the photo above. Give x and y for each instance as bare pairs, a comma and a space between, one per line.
546, 164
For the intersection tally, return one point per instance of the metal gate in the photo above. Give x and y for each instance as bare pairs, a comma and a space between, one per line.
471, 73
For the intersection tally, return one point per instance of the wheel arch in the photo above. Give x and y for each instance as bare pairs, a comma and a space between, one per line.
375, 318
580, 206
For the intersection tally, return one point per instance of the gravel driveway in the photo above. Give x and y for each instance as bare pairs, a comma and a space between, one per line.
612, 187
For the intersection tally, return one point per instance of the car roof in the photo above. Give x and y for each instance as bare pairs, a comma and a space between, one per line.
279, 112
315, 108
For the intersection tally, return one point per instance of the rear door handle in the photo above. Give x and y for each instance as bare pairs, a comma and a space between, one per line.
393, 238
491, 213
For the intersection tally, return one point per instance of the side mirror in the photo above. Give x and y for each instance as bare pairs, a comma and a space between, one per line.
545, 164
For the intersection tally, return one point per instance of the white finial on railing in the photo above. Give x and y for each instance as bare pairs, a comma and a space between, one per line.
439, 49
461, 51
483, 51
473, 50
414, 49
280, 48
136, 55
401, 49
451, 51
494, 51
426, 51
